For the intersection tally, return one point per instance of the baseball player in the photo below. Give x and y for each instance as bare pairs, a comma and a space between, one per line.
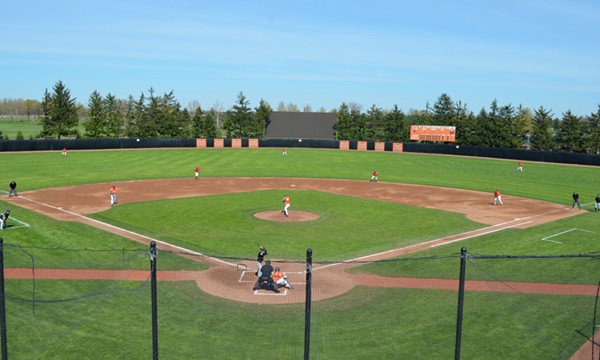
113, 195
281, 279
197, 172
576, 201
4, 219
597, 203
374, 176
497, 198
13, 189
259, 260
283, 152
286, 201
520, 167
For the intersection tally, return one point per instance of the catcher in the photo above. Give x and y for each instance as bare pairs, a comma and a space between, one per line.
281, 279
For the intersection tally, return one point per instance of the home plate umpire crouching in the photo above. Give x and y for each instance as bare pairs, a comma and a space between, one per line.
265, 281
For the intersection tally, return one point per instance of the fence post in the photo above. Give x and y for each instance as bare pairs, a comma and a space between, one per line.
154, 300
2, 303
461, 298
307, 304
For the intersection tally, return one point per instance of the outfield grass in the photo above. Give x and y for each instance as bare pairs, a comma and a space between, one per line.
364, 323
551, 182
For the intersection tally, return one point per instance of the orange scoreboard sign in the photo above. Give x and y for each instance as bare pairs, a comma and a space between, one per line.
433, 133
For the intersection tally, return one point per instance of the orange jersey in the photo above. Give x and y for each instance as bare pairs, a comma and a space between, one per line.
496, 193
286, 200
113, 190
278, 275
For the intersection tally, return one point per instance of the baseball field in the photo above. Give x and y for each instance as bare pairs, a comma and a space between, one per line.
386, 255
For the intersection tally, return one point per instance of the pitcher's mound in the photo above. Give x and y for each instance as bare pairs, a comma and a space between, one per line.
295, 216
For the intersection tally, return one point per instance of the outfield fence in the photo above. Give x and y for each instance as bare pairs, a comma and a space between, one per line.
58, 303
410, 147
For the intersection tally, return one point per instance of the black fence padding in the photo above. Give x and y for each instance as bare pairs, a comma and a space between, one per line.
412, 147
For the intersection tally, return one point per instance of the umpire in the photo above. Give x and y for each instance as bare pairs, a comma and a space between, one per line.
265, 280
13, 189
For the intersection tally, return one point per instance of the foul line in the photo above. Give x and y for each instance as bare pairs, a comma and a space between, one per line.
561, 233
24, 224
127, 231
463, 236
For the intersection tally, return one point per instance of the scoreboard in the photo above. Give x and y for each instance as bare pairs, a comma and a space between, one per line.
433, 133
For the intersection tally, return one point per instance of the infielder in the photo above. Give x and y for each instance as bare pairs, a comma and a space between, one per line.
113, 195
497, 198
374, 176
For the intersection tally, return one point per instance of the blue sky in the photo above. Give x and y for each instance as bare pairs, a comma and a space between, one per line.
320, 53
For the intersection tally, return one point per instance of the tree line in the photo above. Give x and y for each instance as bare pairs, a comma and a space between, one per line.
151, 115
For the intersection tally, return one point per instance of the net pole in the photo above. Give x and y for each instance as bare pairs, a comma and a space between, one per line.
2, 304
154, 300
307, 312
461, 298
594, 324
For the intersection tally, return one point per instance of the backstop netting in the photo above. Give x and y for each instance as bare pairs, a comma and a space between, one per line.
79, 303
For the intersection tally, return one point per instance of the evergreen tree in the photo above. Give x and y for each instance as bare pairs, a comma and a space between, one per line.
374, 130
592, 138
262, 115
239, 118
395, 126
94, 126
198, 130
464, 123
114, 116
210, 124
481, 133
542, 135
343, 124
135, 110
60, 113
569, 136
443, 111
